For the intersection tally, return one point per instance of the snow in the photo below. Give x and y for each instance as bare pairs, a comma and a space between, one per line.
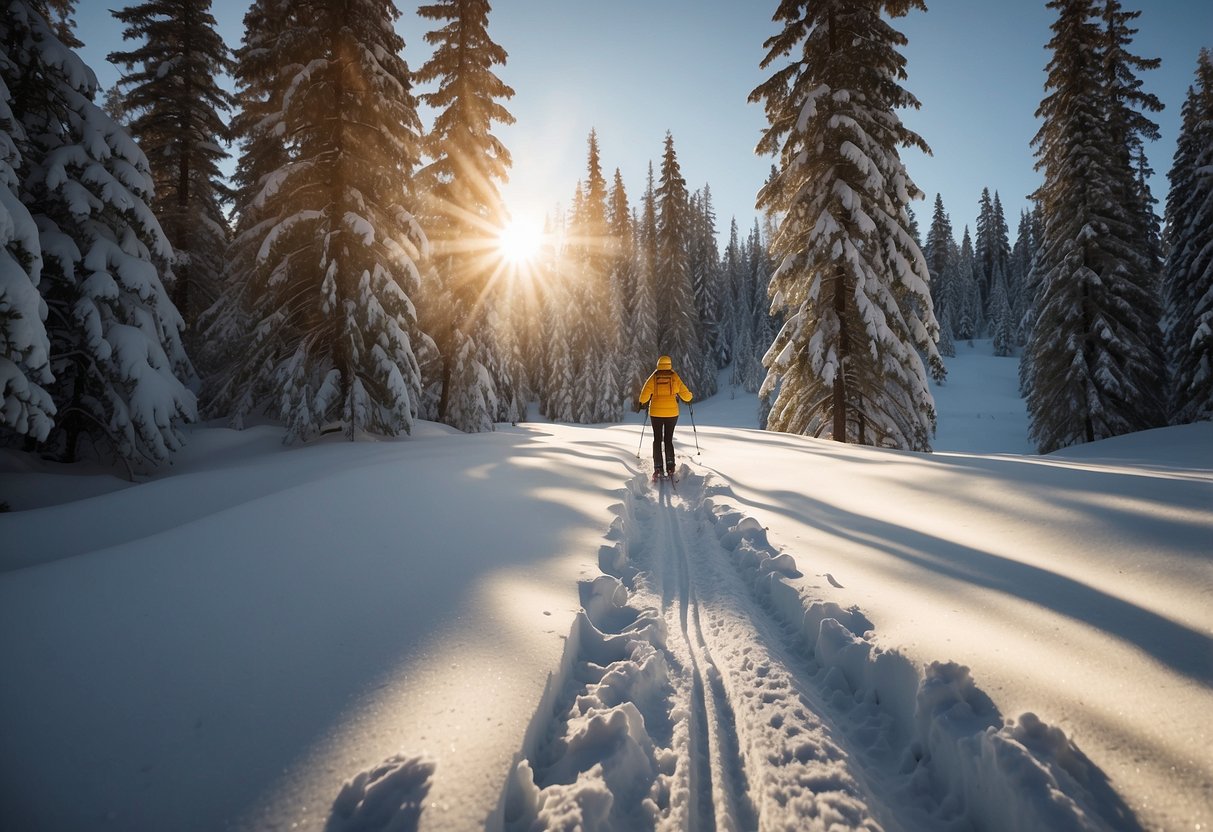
516, 630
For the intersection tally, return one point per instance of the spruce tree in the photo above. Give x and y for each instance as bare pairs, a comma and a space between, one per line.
732, 277
678, 321
992, 249
173, 104
704, 261
120, 370
1189, 267
26, 408
462, 182
1130, 128
1023, 254
938, 253
1095, 351
646, 334
983, 249
1002, 324
59, 14
765, 322
968, 290
622, 281
590, 251
851, 278
270, 27
747, 368
333, 323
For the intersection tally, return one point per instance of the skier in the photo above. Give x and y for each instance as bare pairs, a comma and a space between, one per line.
661, 393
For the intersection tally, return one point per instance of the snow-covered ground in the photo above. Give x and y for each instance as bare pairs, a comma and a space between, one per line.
516, 630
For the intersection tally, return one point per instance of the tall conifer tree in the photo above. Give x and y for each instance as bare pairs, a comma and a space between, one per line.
938, 253
1189, 268
595, 324
623, 283
1130, 128
332, 322
646, 328
678, 323
462, 185
704, 261
269, 27
26, 407
173, 102
1095, 351
851, 278
120, 369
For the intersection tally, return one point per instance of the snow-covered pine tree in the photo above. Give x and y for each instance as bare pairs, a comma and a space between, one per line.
462, 184
983, 250
596, 331
703, 259
473, 393
1002, 248
1130, 127
504, 362
678, 319
968, 290
1189, 267
747, 371
851, 278
1032, 291
329, 297
174, 103
764, 323
26, 408
120, 370
992, 249
938, 253
1023, 253
60, 15
559, 377
733, 282
555, 368
1095, 349
1002, 321
262, 70
622, 281
644, 337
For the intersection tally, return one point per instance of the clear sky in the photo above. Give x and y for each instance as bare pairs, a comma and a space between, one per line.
633, 69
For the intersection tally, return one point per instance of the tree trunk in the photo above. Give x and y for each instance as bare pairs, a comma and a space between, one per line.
840, 374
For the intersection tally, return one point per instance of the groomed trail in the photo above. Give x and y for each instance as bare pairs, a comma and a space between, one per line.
701, 689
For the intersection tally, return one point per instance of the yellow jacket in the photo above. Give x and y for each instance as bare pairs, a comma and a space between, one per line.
662, 391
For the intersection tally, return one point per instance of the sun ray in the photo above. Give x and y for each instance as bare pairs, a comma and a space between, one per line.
519, 241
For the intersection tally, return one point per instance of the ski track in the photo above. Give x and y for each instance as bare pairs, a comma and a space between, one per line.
702, 690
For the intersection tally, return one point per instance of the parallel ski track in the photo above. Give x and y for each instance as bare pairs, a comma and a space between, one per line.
764, 678
766, 733
719, 791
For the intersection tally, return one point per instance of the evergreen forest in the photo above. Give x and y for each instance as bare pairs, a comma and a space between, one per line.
346, 273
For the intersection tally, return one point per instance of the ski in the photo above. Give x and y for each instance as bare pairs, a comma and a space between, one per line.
659, 478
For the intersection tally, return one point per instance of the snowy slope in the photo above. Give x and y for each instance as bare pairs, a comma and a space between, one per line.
516, 630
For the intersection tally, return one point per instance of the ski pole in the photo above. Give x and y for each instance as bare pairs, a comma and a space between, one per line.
694, 429
642, 425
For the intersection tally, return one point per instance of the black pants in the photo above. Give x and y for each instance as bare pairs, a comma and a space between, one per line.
663, 436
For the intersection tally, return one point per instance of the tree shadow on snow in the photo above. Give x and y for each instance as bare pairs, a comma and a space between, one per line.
1184, 650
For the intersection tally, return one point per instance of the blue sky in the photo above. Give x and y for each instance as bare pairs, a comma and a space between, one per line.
633, 69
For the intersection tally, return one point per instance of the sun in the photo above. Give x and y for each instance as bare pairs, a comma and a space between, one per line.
519, 241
